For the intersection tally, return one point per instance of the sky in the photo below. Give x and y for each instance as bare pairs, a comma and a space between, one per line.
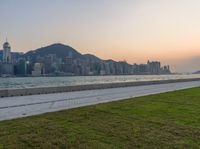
131, 30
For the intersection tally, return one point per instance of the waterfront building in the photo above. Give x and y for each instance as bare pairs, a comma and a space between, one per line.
7, 68
37, 69
154, 67
166, 70
7, 53
21, 67
143, 69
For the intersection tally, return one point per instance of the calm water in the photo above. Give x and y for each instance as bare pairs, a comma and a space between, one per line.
30, 82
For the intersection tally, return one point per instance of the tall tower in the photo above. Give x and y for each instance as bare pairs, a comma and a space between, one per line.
6, 53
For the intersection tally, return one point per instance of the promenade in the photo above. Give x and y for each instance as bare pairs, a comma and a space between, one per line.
22, 106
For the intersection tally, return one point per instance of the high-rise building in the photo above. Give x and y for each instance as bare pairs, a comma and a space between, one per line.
154, 67
7, 53
7, 67
21, 67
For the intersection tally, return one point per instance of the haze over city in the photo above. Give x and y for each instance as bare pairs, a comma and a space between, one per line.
131, 30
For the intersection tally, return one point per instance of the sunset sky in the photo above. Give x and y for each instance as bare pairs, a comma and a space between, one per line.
131, 30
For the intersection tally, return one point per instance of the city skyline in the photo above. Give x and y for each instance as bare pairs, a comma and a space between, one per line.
134, 30
63, 60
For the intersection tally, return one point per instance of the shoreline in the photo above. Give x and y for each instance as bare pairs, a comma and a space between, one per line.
61, 89
30, 76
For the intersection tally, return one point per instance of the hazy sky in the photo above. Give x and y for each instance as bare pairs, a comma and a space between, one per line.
132, 30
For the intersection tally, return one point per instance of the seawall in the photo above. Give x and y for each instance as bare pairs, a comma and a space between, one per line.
48, 90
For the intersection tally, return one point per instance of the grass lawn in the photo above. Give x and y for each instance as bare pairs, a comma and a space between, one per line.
168, 120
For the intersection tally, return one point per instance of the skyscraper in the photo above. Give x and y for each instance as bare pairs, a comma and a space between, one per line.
7, 67
7, 53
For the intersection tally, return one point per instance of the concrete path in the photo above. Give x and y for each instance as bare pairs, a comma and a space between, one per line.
15, 107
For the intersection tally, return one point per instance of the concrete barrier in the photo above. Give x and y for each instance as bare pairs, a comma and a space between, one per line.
59, 89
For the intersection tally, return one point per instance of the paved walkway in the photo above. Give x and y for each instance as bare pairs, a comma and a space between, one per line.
15, 107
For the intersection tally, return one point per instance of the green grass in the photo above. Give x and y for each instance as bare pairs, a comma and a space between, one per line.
168, 120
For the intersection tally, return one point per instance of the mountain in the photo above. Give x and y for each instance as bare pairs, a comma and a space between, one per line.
92, 58
60, 50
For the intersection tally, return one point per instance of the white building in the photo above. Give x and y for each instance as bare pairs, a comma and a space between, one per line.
7, 53
37, 70
7, 67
